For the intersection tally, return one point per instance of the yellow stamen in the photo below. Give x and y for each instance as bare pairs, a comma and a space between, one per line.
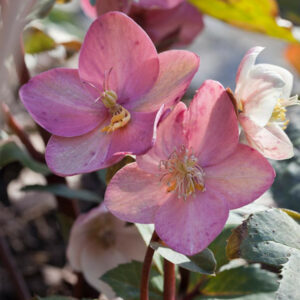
182, 174
120, 115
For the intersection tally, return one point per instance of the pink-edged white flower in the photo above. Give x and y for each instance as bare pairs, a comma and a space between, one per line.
195, 173
99, 242
110, 105
166, 22
263, 93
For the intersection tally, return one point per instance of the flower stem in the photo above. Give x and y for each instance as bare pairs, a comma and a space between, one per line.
146, 269
169, 281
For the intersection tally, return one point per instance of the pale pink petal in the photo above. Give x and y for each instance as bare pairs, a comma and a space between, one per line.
170, 137
83, 154
286, 76
211, 124
180, 24
137, 137
134, 195
59, 102
189, 226
96, 261
104, 6
260, 93
177, 69
165, 4
79, 235
246, 64
115, 47
270, 140
131, 244
241, 178
88, 8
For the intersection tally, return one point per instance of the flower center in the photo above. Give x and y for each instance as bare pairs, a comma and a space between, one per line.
107, 238
120, 115
279, 111
182, 174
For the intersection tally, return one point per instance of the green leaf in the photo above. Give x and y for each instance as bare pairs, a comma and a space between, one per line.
203, 262
271, 237
260, 296
125, 281
64, 191
36, 41
218, 246
290, 9
255, 15
146, 231
241, 281
11, 152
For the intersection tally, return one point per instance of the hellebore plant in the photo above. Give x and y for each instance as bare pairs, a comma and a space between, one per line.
166, 22
109, 107
263, 93
195, 173
99, 242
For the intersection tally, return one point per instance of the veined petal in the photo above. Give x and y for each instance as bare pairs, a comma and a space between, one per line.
240, 178
170, 137
137, 137
59, 102
104, 6
211, 124
189, 226
177, 69
270, 140
246, 65
165, 4
134, 195
180, 24
82, 154
118, 50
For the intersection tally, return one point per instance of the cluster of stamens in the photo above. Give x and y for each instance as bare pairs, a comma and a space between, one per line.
182, 174
120, 115
279, 111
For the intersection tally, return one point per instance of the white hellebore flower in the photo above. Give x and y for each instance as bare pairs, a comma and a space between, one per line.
99, 242
263, 93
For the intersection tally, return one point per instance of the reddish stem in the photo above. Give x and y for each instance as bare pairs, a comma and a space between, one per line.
146, 269
18, 130
169, 281
9, 263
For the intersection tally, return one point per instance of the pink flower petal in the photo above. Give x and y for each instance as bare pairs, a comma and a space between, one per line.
170, 136
88, 9
247, 63
165, 4
240, 178
270, 140
134, 195
82, 154
104, 6
181, 23
115, 47
137, 137
190, 226
59, 102
177, 69
212, 127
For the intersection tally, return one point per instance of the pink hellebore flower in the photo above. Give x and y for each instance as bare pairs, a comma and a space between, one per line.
263, 93
166, 22
100, 242
109, 107
195, 173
